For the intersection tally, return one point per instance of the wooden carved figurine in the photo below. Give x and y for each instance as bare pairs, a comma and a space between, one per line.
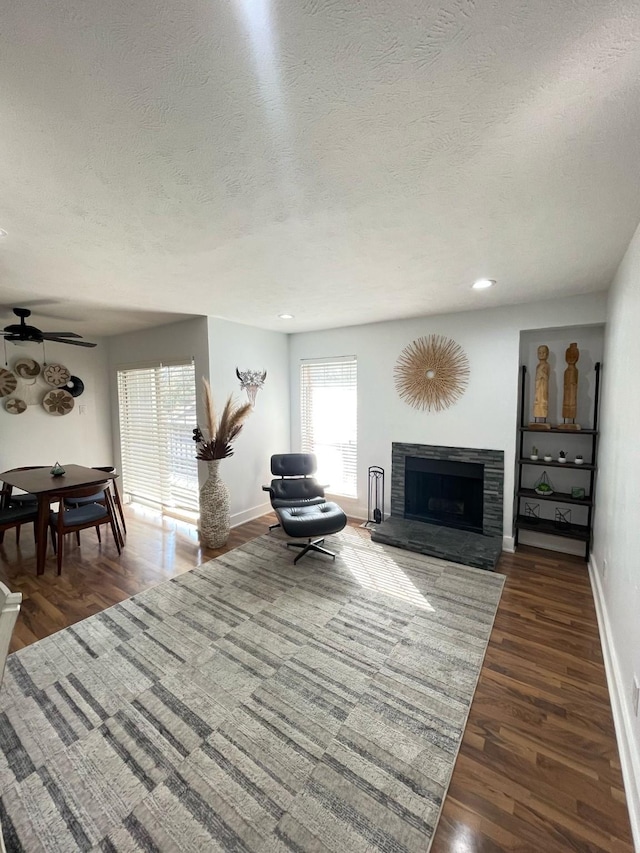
541, 396
570, 398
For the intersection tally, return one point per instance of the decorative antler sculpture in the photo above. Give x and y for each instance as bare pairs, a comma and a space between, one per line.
252, 381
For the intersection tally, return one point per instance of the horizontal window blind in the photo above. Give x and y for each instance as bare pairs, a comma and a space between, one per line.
329, 415
157, 417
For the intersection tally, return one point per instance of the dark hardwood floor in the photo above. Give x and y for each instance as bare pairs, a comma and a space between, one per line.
538, 768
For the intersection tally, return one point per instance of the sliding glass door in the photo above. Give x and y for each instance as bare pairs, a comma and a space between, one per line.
157, 405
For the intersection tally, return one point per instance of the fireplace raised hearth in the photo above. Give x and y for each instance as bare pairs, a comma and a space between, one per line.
446, 502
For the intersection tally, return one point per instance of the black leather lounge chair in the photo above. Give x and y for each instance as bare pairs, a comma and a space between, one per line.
299, 502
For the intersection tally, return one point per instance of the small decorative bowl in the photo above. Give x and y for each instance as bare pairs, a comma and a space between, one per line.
57, 470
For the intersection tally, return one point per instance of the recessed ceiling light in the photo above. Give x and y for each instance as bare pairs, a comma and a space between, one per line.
483, 283
286, 316
3, 233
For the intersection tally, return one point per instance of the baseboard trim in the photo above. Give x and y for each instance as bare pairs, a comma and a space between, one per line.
629, 759
250, 514
508, 544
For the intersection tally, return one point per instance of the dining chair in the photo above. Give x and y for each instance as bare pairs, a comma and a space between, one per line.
77, 518
24, 499
98, 497
13, 517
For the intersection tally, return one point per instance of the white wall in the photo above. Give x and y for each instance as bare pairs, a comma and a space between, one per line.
83, 437
616, 557
175, 341
266, 431
218, 347
486, 415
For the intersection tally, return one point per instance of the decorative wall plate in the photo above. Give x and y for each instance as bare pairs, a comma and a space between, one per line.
432, 373
8, 382
56, 375
75, 386
15, 406
58, 402
26, 368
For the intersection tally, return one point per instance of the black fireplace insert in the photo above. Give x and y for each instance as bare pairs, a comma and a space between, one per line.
442, 492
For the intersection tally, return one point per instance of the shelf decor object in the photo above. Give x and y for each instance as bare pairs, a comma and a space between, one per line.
570, 397
543, 485
562, 525
541, 394
532, 512
432, 373
563, 519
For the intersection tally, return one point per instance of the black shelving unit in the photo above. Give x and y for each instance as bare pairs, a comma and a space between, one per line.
582, 532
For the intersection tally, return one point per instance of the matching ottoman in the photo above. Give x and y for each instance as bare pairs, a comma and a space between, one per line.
313, 523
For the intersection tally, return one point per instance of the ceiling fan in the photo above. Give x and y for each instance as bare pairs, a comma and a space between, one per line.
21, 332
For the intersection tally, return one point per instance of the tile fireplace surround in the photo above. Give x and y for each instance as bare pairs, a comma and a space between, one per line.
460, 546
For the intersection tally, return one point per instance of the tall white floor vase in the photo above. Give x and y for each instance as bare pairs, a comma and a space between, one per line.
215, 520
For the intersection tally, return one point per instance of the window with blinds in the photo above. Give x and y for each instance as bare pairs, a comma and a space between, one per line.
329, 414
157, 417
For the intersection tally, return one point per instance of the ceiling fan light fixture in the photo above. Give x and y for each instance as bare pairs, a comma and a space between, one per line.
22, 332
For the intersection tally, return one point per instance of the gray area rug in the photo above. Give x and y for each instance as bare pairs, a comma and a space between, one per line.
250, 705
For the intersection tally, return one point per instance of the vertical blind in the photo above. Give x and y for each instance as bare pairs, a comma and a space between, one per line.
157, 417
329, 415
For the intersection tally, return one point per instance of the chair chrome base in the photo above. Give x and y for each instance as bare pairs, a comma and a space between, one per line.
311, 545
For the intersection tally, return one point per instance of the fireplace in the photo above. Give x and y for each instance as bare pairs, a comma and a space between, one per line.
446, 502
443, 492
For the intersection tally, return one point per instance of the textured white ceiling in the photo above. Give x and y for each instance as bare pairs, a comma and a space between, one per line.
346, 161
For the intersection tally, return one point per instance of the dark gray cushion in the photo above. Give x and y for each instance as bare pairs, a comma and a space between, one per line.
17, 514
81, 515
21, 500
310, 521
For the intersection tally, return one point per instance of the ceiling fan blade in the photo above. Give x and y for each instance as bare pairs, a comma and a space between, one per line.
48, 335
71, 343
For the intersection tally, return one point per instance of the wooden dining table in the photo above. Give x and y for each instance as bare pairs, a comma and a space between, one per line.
41, 483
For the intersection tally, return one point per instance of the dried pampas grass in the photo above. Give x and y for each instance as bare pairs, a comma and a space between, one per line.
216, 442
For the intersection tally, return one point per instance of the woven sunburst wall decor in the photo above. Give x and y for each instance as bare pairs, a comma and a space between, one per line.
432, 373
